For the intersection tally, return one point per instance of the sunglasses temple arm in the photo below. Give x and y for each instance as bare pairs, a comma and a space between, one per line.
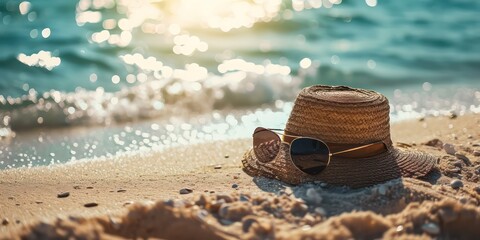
352, 149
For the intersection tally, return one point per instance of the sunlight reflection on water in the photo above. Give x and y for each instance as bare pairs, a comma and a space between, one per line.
42, 59
182, 59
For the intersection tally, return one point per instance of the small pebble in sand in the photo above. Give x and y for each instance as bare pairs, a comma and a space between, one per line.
299, 209
403, 145
476, 144
287, 191
202, 200
431, 228
476, 153
247, 223
169, 202
463, 200
226, 156
456, 184
320, 211
244, 198
306, 227
202, 214
235, 211
89, 187
462, 157
309, 219
234, 185
121, 190
447, 215
11, 198
89, 205
76, 187
114, 223
455, 170
223, 210
382, 190
63, 194
449, 148
458, 163
225, 197
38, 202
235, 177
218, 167
185, 191
452, 115
313, 196
5, 222
17, 221
434, 143
399, 228
215, 205
477, 189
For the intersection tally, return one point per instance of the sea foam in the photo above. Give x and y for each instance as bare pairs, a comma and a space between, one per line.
153, 98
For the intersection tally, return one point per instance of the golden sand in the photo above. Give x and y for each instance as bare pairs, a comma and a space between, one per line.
143, 200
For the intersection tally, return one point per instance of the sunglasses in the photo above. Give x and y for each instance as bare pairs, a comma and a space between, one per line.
309, 155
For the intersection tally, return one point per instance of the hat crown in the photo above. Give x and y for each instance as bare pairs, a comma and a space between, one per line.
340, 115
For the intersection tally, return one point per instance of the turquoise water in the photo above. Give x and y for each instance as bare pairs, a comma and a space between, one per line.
393, 43
98, 65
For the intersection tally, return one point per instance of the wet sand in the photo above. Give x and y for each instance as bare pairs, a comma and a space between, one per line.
133, 193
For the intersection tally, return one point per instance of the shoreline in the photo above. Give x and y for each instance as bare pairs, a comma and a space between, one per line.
30, 195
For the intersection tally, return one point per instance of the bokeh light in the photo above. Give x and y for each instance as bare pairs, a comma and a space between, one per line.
118, 64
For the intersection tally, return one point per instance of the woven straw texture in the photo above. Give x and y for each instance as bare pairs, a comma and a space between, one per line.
342, 115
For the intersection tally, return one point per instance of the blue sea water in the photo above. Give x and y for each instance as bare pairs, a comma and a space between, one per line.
119, 75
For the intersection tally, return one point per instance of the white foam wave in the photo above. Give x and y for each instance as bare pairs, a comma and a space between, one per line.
154, 98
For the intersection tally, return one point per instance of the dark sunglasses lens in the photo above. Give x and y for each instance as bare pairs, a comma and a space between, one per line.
309, 155
266, 144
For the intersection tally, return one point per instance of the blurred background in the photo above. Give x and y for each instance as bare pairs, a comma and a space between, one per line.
92, 78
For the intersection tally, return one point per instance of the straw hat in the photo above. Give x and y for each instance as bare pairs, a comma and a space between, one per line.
343, 118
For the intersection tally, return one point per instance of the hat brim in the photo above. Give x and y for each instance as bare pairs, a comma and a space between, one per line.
351, 172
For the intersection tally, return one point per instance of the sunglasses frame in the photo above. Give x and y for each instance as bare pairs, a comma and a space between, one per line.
330, 154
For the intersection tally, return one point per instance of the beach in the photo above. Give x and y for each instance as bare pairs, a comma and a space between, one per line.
200, 191
131, 119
